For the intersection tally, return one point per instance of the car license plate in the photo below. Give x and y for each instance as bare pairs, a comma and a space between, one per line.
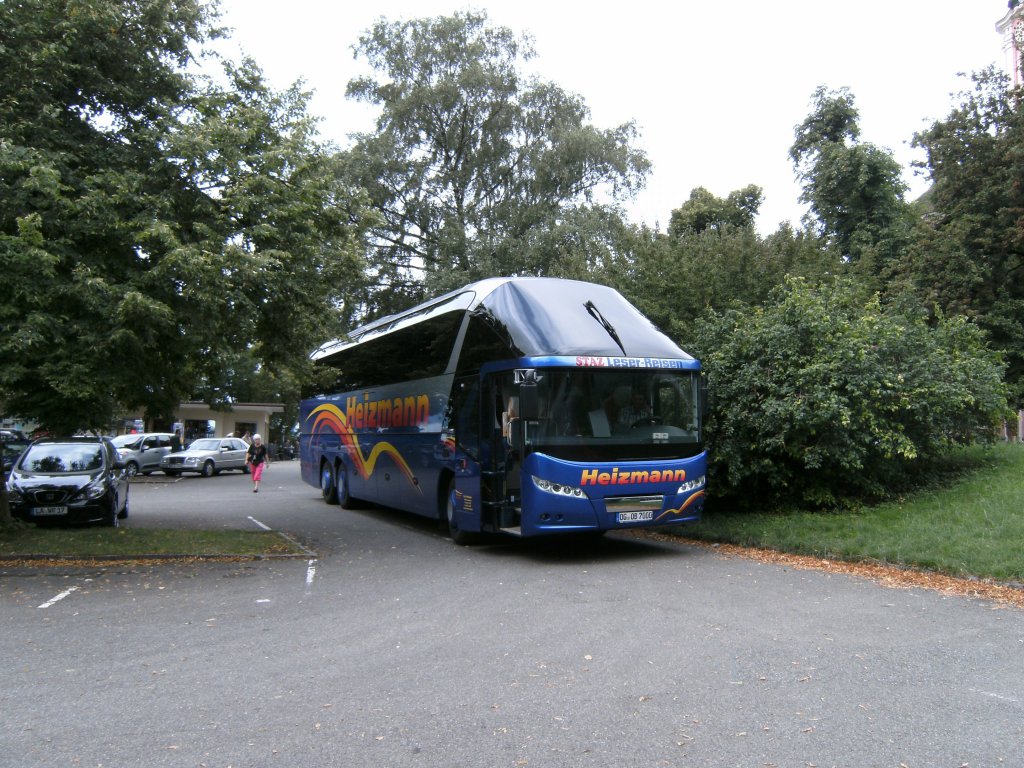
635, 517
48, 511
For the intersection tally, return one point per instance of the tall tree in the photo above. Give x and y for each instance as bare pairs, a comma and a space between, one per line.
705, 211
469, 158
854, 189
158, 231
970, 258
712, 258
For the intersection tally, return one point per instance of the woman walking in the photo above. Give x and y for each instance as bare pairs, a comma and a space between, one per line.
256, 458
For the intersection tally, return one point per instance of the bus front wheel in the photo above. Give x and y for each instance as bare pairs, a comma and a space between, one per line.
328, 483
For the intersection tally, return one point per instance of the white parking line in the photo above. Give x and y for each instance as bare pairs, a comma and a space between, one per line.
311, 568
59, 597
996, 696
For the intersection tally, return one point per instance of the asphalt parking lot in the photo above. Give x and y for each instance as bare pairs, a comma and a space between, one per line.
390, 646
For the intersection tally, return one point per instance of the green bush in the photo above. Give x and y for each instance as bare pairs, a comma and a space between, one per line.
822, 396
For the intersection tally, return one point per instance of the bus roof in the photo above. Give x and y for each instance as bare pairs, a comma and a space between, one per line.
543, 316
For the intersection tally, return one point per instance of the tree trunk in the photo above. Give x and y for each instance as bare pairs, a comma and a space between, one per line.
5, 508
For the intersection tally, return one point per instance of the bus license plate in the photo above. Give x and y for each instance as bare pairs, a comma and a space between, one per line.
48, 511
635, 517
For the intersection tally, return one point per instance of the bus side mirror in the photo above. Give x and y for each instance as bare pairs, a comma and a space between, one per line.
529, 406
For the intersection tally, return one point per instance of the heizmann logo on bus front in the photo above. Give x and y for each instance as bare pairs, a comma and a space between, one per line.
631, 476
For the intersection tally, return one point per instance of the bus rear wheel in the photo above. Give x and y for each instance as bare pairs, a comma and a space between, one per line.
328, 484
344, 497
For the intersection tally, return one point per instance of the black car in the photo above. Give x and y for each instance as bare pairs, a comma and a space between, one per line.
73, 479
11, 445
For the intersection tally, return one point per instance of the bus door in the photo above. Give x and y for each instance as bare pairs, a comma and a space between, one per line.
501, 469
487, 473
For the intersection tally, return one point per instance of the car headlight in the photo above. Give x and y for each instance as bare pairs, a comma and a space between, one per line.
93, 490
692, 485
557, 488
14, 494
192, 460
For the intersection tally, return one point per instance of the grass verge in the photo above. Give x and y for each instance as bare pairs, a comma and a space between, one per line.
969, 524
134, 543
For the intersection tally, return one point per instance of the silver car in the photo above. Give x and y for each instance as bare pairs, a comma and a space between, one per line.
207, 456
142, 453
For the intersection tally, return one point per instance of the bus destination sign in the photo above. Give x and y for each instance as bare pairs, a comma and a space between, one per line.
587, 361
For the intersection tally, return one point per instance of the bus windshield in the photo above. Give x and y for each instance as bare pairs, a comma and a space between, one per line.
629, 414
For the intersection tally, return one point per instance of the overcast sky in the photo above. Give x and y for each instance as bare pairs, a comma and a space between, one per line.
716, 89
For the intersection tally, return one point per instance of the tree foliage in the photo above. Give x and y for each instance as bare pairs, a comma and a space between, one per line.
713, 258
470, 158
159, 232
969, 258
705, 211
825, 394
853, 188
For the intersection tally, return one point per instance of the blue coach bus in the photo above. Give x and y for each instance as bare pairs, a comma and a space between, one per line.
525, 406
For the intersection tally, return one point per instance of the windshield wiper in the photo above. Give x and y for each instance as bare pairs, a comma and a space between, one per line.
596, 314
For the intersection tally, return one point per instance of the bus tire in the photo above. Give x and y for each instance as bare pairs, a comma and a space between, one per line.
460, 537
328, 483
342, 491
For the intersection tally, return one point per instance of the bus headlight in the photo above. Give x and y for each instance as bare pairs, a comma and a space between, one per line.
559, 490
691, 485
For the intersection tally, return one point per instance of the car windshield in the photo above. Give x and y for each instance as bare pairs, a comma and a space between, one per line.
206, 444
127, 441
63, 458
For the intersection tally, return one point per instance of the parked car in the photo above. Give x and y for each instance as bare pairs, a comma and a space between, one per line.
73, 479
142, 452
207, 456
12, 443
11, 450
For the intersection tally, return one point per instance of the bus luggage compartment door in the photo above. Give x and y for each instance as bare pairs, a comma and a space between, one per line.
467, 498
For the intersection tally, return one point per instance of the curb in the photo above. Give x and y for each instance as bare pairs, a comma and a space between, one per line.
37, 558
